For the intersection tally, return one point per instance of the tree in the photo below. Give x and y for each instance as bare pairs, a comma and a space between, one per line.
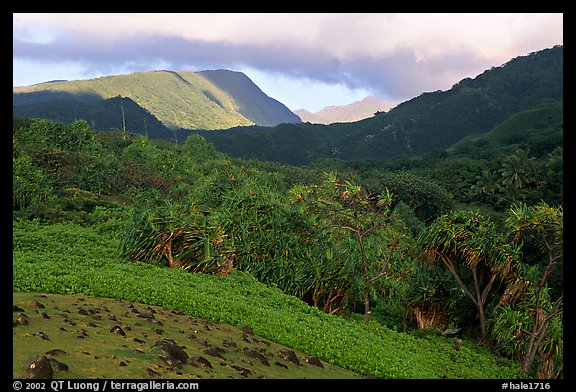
518, 171
475, 253
544, 225
179, 234
342, 205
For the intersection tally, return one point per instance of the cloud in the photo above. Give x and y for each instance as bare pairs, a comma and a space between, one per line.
395, 55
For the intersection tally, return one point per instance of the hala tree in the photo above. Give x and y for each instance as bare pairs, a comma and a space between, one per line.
474, 251
342, 205
180, 235
543, 225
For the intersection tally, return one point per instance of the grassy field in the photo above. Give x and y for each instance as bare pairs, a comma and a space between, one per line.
70, 259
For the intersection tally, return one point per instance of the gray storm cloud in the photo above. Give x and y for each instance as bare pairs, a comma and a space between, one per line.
398, 73
395, 55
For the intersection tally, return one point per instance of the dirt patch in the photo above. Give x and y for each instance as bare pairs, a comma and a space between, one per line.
90, 337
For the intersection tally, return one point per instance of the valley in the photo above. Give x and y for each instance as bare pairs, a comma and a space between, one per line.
363, 244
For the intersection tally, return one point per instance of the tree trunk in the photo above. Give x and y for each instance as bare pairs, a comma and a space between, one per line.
367, 312
541, 323
367, 281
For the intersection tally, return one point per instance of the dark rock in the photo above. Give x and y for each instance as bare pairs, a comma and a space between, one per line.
242, 371
59, 366
42, 335
39, 368
256, 355
17, 309
214, 352
68, 321
37, 305
84, 312
203, 362
174, 351
249, 339
170, 361
203, 342
150, 309
118, 330
247, 330
229, 343
280, 365
45, 316
152, 373
122, 364
56, 351
21, 320
314, 361
289, 355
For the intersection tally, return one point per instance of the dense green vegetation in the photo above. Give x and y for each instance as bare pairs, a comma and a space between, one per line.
431, 121
315, 250
67, 258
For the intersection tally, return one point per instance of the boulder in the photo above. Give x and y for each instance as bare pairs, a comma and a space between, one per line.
38, 367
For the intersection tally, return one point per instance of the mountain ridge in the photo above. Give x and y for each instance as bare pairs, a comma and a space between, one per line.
432, 120
214, 99
354, 111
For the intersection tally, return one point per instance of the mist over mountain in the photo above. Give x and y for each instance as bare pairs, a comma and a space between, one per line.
354, 111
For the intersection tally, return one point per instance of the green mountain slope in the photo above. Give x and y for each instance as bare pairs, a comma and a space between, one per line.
250, 101
434, 120
539, 129
217, 99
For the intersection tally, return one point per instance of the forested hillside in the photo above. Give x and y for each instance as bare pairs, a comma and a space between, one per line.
433, 120
412, 248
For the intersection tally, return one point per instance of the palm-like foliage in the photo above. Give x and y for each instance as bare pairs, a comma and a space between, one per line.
543, 224
184, 239
340, 205
468, 243
518, 171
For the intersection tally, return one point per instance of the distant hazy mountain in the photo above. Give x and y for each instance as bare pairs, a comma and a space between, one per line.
216, 99
355, 111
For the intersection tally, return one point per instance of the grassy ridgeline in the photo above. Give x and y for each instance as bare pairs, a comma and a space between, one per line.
67, 258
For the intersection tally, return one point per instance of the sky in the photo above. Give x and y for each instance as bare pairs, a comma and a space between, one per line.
304, 60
